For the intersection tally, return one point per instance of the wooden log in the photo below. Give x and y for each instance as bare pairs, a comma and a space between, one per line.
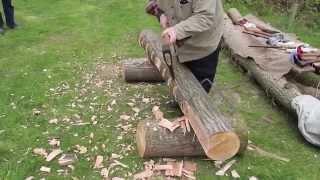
140, 71
155, 141
213, 130
306, 78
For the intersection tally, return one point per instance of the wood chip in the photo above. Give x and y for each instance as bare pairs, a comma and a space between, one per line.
125, 117
117, 178
40, 151
157, 113
29, 178
169, 125
253, 178
136, 110
267, 154
143, 175
115, 156
225, 168
104, 173
120, 164
81, 149
235, 174
158, 167
53, 121
177, 169
114, 102
131, 104
190, 166
54, 142
67, 159
45, 169
53, 154
98, 164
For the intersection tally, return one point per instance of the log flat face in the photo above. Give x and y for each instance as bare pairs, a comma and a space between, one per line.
195, 103
140, 71
156, 141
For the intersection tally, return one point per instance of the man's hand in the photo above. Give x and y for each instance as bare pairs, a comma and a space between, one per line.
169, 35
164, 22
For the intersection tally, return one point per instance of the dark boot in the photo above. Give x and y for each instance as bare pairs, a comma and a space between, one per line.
9, 13
1, 24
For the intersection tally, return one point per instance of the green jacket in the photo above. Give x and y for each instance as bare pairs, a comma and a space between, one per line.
202, 20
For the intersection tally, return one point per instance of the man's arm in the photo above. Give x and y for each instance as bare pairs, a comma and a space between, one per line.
202, 19
153, 8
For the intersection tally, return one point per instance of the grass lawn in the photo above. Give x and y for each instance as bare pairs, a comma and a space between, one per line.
60, 78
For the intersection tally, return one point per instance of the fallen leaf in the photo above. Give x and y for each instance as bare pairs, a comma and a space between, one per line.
53, 154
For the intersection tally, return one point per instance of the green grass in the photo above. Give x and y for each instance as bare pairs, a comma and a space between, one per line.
44, 65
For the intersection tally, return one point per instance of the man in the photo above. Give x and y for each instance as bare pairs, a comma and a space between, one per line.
199, 24
9, 15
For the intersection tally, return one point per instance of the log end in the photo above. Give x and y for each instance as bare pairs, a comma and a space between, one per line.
223, 146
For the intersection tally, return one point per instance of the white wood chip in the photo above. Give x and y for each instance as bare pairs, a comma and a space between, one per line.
29, 178
253, 178
53, 154
45, 169
40, 151
235, 174
225, 168
125, 117
99, 161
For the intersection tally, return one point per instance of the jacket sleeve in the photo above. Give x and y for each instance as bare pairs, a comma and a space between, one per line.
202, 19
153, 8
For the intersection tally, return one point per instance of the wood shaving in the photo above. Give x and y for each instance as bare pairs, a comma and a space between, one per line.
266, 154
143, 175
225, 168
53, 154
98, 164
40, 151
158, 167
169, 125
53, 121
29, 178
67, 159
253, 178
235, 174
54, 142
125, 117
81, 149
131, 104
117, 178
45, 169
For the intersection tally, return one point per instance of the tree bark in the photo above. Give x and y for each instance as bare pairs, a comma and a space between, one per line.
140, 71
155, 141
213, 130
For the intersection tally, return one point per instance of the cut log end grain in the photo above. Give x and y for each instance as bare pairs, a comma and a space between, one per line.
223, 146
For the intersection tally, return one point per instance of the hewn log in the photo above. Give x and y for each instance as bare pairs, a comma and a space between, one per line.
140, 71
213, 130
155, 141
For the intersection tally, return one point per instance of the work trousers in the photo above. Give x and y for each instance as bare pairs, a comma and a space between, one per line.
205, 69
8, 10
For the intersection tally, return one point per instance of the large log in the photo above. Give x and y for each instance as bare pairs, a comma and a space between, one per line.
140, 71
213, 130
155, 141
